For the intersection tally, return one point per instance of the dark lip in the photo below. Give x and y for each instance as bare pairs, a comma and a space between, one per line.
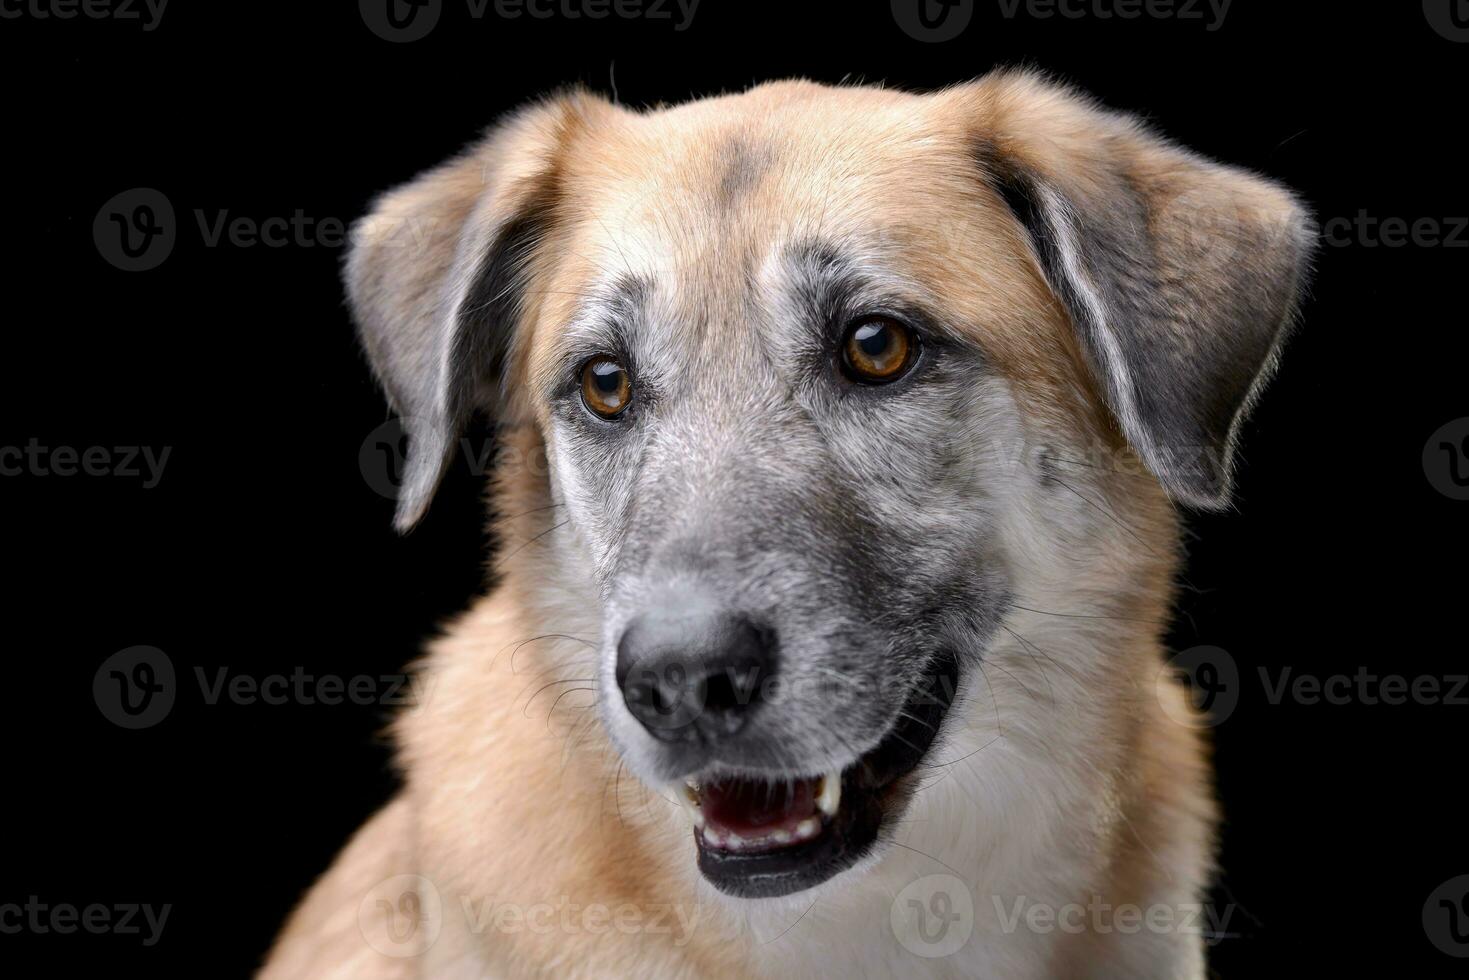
870, 794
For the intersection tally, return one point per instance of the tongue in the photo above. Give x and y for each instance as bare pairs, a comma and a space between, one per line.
756, 809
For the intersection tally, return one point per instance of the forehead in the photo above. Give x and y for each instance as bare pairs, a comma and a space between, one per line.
712, 205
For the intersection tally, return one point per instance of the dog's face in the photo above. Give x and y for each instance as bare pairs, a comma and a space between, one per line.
828, 380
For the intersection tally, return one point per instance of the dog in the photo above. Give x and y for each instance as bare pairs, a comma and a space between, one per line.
842, 436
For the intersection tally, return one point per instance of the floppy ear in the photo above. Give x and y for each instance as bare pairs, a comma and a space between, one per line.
1180, 275
437, 276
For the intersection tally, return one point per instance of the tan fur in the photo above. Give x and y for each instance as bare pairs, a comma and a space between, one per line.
507, 800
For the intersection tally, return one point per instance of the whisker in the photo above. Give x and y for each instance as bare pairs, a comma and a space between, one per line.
994, 701
571, 690
1109, 515
533, 639
1028, 692
955, 762
526, 513
793, 924
1121, 619
617, 792
917, 720
543, 687
915, 850
1025, 645
585, 727
538, 537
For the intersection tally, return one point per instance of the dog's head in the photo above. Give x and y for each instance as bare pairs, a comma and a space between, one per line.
828, 380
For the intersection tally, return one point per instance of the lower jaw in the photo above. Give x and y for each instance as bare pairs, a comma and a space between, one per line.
872, 789
844, 839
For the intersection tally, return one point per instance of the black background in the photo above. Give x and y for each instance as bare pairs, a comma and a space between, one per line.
263, 548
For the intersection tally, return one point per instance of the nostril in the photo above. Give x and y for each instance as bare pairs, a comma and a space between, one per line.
735, 672
727, 700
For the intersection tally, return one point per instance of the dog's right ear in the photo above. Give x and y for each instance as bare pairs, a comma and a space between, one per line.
437, 277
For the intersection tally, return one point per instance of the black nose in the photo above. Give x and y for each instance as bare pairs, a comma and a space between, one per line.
694, 678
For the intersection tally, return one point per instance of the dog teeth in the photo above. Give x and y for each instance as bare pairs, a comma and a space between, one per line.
723, 841
828, 802
829, 798
688, 797
728, 841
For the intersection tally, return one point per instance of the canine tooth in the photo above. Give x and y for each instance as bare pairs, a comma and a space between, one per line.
689, 804
830, 797
807, 828
712, 839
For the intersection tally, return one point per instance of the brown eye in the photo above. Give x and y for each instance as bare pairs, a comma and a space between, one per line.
878, 350
605, 386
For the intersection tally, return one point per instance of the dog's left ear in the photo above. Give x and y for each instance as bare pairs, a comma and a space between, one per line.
1181, 275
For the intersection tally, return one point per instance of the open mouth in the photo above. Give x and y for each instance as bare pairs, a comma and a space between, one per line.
760, 838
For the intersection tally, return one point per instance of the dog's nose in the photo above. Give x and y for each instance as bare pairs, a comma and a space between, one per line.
694, 679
